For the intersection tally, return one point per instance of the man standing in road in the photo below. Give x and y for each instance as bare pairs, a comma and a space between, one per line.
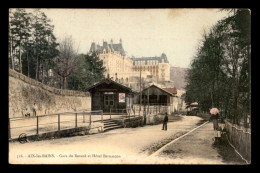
165, 121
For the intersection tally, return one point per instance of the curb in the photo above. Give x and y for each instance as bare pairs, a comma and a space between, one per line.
162, 148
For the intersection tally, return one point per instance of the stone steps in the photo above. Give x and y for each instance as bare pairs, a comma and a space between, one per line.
110, 125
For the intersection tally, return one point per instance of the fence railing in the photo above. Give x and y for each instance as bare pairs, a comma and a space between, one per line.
240, 138
151, 109
53, 122
59, 121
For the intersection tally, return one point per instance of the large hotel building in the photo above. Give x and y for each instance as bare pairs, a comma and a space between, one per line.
157, 66
127, 70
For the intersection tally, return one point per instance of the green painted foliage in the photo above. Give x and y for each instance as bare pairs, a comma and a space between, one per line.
89, 70
220, 74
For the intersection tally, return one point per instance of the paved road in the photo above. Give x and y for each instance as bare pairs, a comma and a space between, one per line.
199, 147
126, 146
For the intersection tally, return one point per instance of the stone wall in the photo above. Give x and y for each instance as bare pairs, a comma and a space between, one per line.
130, 122
24, 92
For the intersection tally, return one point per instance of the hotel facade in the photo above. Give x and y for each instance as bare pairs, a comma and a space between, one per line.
126, 70
158, 67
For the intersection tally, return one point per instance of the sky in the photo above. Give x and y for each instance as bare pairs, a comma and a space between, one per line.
144, 32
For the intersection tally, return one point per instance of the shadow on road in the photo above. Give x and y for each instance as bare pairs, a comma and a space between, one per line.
225, 151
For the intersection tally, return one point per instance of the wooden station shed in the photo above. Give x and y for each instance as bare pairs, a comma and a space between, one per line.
155, 95
108, 95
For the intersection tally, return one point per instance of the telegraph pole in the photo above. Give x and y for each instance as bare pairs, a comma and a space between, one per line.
140, 90
148, 99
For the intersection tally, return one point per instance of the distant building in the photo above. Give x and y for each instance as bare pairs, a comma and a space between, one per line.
118, 65
158, 67
125, 70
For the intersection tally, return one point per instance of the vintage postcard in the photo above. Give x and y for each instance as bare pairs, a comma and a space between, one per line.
129, 86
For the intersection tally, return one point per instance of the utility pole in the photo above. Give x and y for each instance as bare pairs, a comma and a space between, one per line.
140, 90
148, 100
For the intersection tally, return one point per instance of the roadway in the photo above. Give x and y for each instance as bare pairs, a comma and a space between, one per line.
141, 145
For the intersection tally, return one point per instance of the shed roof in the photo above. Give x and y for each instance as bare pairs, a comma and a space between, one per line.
109, 81
170, 91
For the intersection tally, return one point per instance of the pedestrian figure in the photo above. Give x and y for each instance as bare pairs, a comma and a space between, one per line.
214, 117
34, 109
165, 120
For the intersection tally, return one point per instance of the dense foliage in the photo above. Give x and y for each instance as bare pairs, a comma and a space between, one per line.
32, 44
220, 71
34, 51
89, 70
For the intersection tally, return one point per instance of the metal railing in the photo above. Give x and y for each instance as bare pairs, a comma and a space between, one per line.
120, 113
68, 120
151, 109
53, 122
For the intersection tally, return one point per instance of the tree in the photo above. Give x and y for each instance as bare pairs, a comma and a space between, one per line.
32, 44
89, 69
19, 30
44, 44
220, 70
65, 62
235, 33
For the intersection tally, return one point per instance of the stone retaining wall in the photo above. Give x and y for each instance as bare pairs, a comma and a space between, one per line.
24, 92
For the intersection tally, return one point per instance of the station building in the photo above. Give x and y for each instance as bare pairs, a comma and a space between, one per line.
108, 95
